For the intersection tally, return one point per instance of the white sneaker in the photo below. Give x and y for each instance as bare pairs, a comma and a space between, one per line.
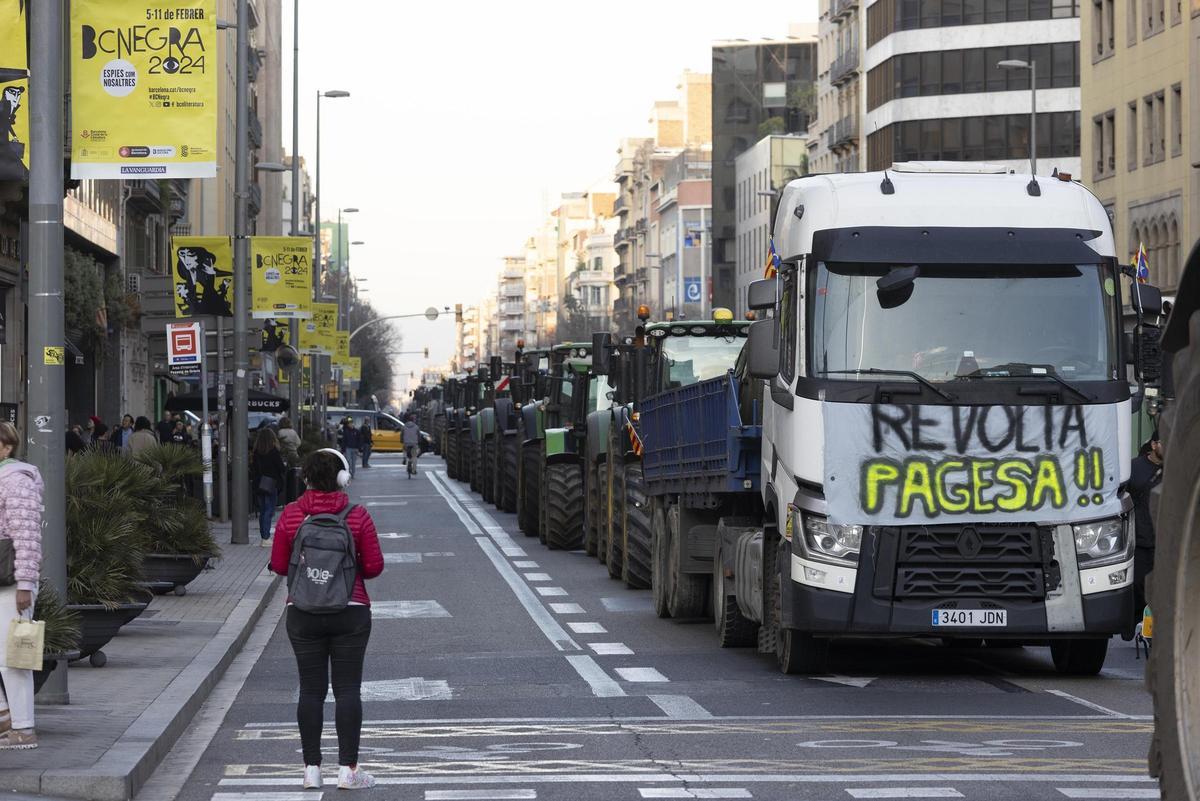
354, 779
267, 543
312, 777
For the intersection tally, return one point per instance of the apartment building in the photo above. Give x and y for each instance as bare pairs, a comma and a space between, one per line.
511, 305
836, 141
683, 204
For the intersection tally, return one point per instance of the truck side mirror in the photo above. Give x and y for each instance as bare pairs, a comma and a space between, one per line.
1148, 354
1147, 298
761, 294
762, 349
601, 352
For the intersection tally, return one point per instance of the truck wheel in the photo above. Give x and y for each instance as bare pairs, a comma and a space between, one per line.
528, 514
487, 471
734, 630
1078, 657
1174, 586
796, 652
508, 474
635, 569
591, 532
564, 506
613, 557
464, 458
602, 512
660, 574
689, 592
471, 449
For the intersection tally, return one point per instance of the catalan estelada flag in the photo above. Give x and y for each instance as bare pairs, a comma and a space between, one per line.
634, 440
1141, 265
772, 261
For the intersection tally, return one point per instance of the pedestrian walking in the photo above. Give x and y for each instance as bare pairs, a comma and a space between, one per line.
88, 431
164, 429
366, 441
121, 436
20, 553
180, 435
350, 443
289, 441
142, 438
332, 629
412, 444
1144, 475
267, 472
74, 440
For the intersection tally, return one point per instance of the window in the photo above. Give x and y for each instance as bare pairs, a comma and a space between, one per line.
931, 140
952, 140
952, 72
975, 138
931, 13
974, 71
1131, 22
1103, 144
973, 12
995, 146
1176, 120
997, 79
973, 143
952, 12
1098, 146
996, 10
1131, 138
1149, 135
789, 314
931, 73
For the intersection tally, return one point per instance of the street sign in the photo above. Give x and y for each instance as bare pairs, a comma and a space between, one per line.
185, 348
691, 290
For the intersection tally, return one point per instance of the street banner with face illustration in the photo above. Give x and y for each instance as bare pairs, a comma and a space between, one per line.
14, 88
144, 89
281, 277
317, 334
893, 465
275, 334
203, 276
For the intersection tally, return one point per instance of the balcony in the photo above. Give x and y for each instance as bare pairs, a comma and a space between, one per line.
146, 195
620, 205
256, 130
510, 326
844, 67
622, 238
845, 133
254, 202
840, 8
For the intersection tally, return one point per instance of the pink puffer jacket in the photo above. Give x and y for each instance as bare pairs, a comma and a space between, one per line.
21, 519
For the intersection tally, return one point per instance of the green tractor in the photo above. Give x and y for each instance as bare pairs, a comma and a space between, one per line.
527, 439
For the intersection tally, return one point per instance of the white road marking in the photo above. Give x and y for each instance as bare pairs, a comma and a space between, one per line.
438, 553
404, 610
903, 792
710, 778
394, 535
680, 707
537, 577
479, 795
385, 497
849, 681
610, 648
641, 674
412, 689
386, 503
401, 558
525, 565
1107, 792
587, 628
601, 683
628, 603
1112, 713
307, 795
546, 592
567, 609
494, 530
694, 792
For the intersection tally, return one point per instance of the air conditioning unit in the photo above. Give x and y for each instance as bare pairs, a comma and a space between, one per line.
133, 283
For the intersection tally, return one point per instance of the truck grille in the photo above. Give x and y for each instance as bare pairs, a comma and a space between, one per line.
995, 561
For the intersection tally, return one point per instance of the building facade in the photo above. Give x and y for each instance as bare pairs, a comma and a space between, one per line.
1141, 130
511, 305
934, 91
683, 205
760, 87
836, 140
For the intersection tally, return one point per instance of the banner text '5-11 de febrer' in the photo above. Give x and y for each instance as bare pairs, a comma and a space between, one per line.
144, 89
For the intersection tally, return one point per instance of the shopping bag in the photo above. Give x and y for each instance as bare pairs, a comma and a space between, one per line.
25, 642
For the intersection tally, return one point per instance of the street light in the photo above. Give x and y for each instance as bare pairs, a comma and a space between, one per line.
1031, 65
318, 372
343, 266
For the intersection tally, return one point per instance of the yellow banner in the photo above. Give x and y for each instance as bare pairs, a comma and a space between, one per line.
281, 277
144, 88
352, 370
341, 352
275, 334
14, 86
317, 335
203, 276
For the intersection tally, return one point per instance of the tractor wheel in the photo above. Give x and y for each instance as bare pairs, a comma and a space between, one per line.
613, 558
592, 512
603, 512
635, 569
510, 457
564, 506
660, 573
689, 591
528, 514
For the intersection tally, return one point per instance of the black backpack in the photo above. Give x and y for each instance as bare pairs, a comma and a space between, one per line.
324, 564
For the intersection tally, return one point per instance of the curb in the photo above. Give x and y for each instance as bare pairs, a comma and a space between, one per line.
129, 763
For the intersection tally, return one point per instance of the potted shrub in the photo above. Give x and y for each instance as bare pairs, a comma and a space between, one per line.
62, 632
179, 538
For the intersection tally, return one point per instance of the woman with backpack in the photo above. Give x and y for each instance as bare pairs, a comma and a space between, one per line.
327, 547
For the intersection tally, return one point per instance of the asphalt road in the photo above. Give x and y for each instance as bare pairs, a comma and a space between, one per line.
498, 669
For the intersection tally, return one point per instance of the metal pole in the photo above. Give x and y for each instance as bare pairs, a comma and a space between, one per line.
294, 325
1033, 119
222, 423
318, 389
238, 445
341, 265
46, 405
704, 293
205, 429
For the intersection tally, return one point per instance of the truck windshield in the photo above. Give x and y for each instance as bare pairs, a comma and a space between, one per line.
961, 320
691, 359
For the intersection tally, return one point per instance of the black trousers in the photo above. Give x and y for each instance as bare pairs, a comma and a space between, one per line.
321, 641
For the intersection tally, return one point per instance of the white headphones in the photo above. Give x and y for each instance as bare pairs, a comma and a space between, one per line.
343, 476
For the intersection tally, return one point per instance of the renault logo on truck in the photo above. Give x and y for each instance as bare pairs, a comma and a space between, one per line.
969, 543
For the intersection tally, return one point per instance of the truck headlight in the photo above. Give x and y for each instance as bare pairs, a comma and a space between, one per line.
836, 541
1100, 540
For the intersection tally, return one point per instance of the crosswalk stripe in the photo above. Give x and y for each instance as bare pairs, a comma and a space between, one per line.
694, 792
610, 648
537, 577
307, 795
1100, 793
401, 558
903, 792
404, 610
550, 592
479, 795
587, 628
641, 674
567, 609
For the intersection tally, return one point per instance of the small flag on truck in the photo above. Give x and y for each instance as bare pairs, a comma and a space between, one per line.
772, 261
1141, 265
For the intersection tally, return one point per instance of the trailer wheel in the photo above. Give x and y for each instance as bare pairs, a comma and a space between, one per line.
602, 513
487, 471
689, 592
564, 506
528, 514
510, 458
591, 511
1078, 657
734, 630
660, 574
1174, 587
613, 557
635, 569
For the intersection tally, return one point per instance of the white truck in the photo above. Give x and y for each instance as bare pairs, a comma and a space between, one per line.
946, 420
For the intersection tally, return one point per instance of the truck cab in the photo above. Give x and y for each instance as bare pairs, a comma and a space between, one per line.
946, 416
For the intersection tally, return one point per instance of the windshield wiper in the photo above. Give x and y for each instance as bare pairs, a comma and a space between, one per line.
877, 371
1023, 370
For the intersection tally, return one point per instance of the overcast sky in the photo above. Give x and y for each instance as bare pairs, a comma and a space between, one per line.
467, 120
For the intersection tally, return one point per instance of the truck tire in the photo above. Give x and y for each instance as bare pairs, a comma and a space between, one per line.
510, 457
796, 652
613, 558
635, 568
471, 449
689, 592
1078, 657
528, 514
464, 458
602, 512
660, 574
487, 471
734, 630
564, 506
591, 513
452, 456
1173, 673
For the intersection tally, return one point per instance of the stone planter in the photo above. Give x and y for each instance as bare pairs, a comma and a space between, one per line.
49, 661
98, 624
168, 572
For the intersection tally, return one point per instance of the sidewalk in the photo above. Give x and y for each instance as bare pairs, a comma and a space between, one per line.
124, 717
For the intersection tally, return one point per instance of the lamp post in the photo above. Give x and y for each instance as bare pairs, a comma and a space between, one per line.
318, 404
343, 265
294, 325
1031, 65
240, 494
